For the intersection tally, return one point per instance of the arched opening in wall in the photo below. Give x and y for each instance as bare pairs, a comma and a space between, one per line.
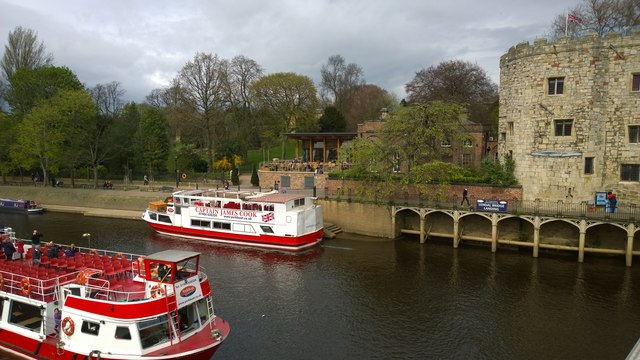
558, 234
514, 229
439, 227
408, 223
475, 228
605, 236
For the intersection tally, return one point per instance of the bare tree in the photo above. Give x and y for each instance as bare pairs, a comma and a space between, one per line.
339, 84
455, 81
23, 50
242, 73
108, 98
99, 147
202, 83
597, 16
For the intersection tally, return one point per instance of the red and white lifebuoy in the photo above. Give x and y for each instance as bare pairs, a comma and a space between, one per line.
68, 326
25, 286
157, 291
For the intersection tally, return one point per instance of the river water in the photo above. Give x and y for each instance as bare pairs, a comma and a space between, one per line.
362, 298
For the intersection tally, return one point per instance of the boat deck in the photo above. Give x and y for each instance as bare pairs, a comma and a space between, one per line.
108, 277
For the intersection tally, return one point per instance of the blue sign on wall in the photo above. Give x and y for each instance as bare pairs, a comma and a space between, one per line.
601, 198
491, 205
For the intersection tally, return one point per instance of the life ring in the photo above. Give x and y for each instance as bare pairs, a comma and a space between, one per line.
68, 326
83, 277
25, 286
157, 291
1, 281
184, 176
119, 256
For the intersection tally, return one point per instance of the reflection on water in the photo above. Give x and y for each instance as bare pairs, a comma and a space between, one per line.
394, 300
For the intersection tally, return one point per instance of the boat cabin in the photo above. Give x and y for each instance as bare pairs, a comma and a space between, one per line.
170, 266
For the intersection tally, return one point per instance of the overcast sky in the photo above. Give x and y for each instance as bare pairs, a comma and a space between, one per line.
143, 44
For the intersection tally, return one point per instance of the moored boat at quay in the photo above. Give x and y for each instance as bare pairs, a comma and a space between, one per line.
21, 206
270, 220
86, 303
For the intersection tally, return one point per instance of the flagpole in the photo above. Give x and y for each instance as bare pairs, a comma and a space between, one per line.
566, 25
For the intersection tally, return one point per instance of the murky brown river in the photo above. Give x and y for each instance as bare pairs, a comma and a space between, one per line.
355, 299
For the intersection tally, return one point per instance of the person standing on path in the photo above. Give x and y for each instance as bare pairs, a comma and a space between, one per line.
465, 197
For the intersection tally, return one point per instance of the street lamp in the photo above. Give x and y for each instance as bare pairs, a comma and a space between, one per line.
88, 237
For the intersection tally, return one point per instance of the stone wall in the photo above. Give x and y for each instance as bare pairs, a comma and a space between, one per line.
597, 97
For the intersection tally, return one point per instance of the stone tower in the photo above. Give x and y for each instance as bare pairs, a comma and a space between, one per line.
570, 117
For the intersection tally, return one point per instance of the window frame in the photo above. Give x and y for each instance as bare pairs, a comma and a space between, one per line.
630, 172
589, 169
635, 82
563, 123
555, 85
633, 134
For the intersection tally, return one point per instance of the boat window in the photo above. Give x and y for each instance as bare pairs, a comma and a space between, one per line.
154, 331
90, 327
243, 228
268, 207
188, 316
266, 229
186, 268
153, 216
25, 315
200, 223
122, 333
164, 218
177, 200
298, 202
221, 225
203, 310
178, 210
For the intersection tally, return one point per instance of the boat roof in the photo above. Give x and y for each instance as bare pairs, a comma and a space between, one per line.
173, 255
267, 197
278, 198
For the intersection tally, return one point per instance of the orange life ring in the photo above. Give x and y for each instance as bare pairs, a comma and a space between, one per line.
157, 291
119, 256
25, 286
83, 277
68, 326
184, 176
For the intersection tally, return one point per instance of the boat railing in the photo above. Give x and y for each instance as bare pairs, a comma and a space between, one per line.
34, 284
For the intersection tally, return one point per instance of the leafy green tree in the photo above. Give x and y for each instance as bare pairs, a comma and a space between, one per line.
151, 140
332, 120
23, 50
50, 129
255, 179
235, 179
7, 128
288, 103
28, 86
412, 137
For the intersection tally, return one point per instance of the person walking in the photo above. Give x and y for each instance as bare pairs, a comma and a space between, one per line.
465, 197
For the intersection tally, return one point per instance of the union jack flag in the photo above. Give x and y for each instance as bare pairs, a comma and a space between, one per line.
574, 19
268, 217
